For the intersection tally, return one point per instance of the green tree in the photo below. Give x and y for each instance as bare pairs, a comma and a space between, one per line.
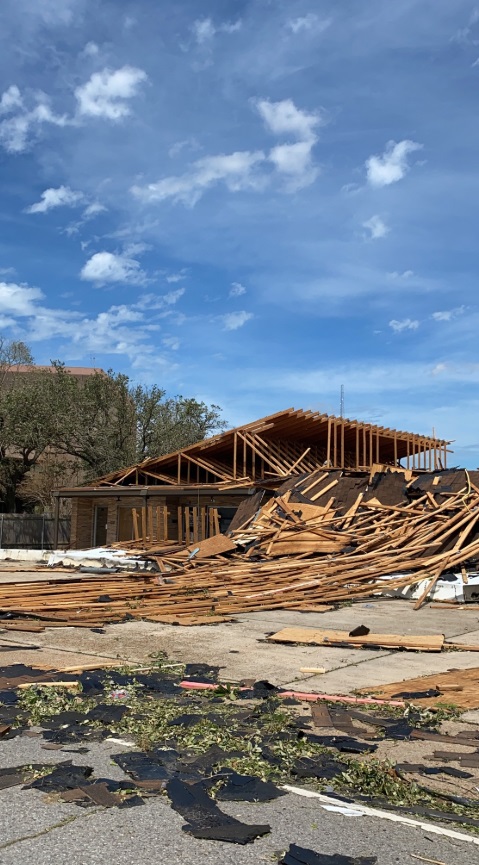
96, 424
95, 419
26, 432
12, 354
166, 424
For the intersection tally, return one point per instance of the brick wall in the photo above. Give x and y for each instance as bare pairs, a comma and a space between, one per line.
82, 523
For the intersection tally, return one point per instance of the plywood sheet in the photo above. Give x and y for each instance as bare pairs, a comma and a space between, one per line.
309, 512
213, 547
312, 636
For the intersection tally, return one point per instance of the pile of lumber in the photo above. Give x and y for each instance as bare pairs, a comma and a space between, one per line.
324, 538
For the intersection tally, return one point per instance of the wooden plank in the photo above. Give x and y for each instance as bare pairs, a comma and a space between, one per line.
316, 481
312, 636
462, 647
213, 522
136, 528
187, 525
323, 491
313, 670
291, 469
320, 715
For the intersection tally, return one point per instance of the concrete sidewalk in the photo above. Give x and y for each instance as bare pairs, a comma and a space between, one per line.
241, 649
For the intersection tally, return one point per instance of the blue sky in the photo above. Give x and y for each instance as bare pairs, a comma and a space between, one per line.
249, 202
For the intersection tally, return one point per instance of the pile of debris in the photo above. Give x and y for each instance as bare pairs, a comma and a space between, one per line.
324, 538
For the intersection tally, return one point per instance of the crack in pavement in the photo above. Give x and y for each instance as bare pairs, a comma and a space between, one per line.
53, 648
339, 668
63, 822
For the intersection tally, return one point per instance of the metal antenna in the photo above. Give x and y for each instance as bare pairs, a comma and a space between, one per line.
341, 402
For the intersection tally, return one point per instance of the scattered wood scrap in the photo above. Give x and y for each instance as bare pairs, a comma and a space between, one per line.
466, 698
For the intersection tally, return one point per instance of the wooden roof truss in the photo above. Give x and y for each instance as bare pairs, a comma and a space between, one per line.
289, 442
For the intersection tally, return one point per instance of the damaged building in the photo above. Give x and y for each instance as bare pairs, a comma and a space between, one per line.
194, 493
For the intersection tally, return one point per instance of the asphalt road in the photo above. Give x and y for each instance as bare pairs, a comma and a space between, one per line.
36, 830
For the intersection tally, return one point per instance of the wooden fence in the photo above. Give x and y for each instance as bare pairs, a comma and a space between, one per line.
32, 531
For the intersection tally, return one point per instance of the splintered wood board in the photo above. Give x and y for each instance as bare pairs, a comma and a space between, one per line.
468, 698
212, 546
300, 545
314, 637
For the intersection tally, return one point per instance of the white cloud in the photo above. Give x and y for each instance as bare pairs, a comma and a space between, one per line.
308, 23
159, 301
295, 160
173, 296
235, 170
119, 330
178, 147
292, 160
406, 274
16, 131
11, 99
18, 299
404, 324
106, 93
52, 11
283, 118
176, 277
109, 267
63, 196
91, 49
90, 212
376, 227
234, 320
204, 30
466, 34
239, 170
237, 289
448, 314
392, 165
171, 342
93, 209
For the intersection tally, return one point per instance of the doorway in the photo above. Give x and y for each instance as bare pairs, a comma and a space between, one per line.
100, 526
